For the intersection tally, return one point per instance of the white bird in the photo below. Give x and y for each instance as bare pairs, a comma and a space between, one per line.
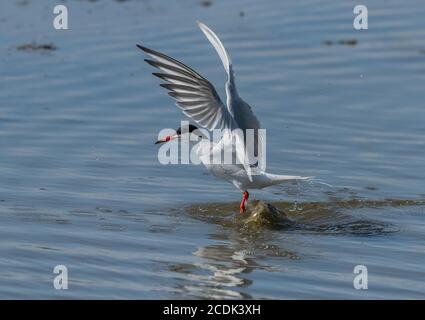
198, 100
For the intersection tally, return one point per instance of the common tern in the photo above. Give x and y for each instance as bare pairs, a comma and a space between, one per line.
198, 100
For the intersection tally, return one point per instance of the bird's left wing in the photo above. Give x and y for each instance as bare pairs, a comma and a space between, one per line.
194, 95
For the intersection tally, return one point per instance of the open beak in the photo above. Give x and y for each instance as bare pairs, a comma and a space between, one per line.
166, 139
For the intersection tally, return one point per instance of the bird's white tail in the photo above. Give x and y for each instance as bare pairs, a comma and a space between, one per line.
278, 178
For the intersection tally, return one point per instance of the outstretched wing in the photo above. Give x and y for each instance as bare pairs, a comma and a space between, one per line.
195, 95
241, 111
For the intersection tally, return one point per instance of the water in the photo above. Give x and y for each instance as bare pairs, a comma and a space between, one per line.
80, 184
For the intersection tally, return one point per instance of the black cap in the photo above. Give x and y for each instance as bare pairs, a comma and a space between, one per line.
190, 128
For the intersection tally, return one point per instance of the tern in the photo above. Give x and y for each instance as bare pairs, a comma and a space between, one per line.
198, 100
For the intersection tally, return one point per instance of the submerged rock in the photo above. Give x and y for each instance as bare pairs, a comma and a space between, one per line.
262, 214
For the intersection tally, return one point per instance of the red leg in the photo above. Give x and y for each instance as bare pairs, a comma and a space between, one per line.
244, 199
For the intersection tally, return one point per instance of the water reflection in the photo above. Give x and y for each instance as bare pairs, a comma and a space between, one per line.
222, 270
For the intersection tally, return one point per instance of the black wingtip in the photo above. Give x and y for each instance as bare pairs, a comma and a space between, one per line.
147, 50
140, 47
151, 62
160, 75
173, 94
166, 86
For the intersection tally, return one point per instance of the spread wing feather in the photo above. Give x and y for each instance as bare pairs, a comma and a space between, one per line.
194, 95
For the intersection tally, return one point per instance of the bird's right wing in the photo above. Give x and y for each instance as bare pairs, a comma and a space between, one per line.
239, 109
195, 95
241, 112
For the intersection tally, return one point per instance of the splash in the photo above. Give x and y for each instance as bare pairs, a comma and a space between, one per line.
327, 218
